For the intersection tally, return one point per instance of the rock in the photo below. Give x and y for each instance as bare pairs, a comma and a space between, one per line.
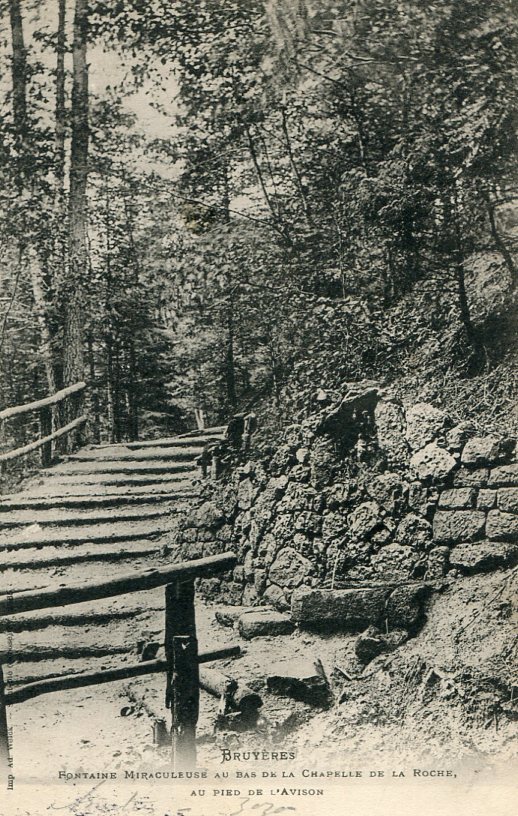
457, 437
372, 643
250, 595
334, 526
471, 478
209, 515
302, 455
458, 498
289, 568
487, 450
483, 556
364, 519
387, 490
395, 562
348, 609
452, 526
323, 462
432, 463
301, 679
418, 498
405, 606
438, 562
486, 499
338, 494
229, 615
502, 526
414, 531
390, 429
508, 499
281, 460
248, 566
264, 622
503, 476
245, 494
424, 423
276, 597
307, 522
260, 581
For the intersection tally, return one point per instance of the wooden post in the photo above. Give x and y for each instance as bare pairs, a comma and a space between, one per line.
4, 733
46, 430
183, 691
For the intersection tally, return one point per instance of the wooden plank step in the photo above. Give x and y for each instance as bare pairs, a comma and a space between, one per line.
63, 641
25, 579
169, 454
100, 533
115, 498
129, 468
89, 613
123, 479
47, 516
31, 559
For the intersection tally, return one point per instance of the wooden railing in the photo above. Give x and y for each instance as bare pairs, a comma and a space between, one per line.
181, 663
49, 423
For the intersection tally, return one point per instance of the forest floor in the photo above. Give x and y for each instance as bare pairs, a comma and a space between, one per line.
444, 700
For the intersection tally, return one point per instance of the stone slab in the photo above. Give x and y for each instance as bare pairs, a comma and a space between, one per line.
502, 526
452, 526
508, 499
460, 498
229, 615
302, 679
264, 622
349, 609
506, 475
483, 556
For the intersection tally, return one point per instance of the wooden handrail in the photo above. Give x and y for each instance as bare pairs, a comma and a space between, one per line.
16, 410
129, 582
45, 440
90, 678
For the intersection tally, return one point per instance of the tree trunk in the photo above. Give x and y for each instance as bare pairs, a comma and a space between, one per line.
19, 80
73, 354
230, 372
59, 132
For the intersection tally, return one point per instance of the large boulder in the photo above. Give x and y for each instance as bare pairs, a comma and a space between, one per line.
483, 556
395, 562
405, 606
348, 609
414, 531
502, 526
508, 499
487, 450
301, 679
452, 526
433, 463
424, 423
507, 475
364, 519
289, 568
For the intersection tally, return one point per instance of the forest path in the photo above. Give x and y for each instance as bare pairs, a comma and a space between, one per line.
104, 511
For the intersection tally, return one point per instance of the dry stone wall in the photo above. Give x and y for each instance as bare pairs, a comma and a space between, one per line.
365, 491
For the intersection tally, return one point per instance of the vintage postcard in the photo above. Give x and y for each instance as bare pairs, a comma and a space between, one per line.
258, 407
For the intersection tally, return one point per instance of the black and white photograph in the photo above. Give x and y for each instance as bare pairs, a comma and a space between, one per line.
258, 407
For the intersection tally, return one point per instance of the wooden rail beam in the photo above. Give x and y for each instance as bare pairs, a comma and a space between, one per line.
91, 678
28, 600
39, 443
16, 410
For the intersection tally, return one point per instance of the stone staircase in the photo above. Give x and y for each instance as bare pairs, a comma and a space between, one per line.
104, 511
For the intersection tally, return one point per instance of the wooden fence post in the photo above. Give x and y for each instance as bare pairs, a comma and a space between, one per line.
45, 430
183, 681
4, 733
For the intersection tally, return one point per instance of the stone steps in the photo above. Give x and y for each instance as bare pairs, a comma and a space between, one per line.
84, 500
62, 555
98, 533
47, 516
